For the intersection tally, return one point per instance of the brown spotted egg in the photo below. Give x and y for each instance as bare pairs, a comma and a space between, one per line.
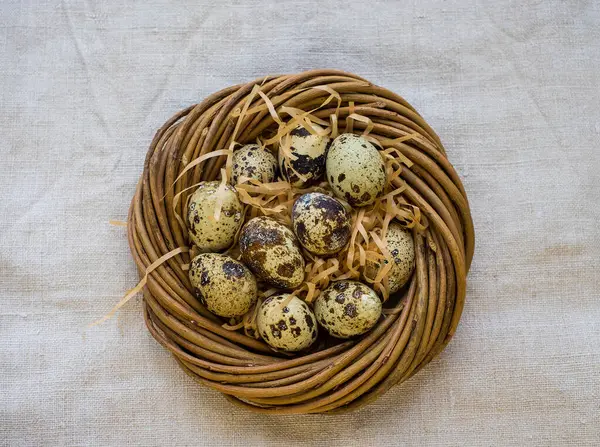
347, 308
271, 251
205, 232
321, 223
310, 151
355, 170
400, 244
286, 322
253, 162
225, 286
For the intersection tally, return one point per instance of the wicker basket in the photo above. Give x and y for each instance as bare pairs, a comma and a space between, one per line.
337, 378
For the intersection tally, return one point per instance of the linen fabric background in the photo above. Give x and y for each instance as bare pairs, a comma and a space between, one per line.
512, 88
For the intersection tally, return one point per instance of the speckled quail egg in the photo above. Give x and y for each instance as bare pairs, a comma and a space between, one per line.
321, 223
355, 170
253, 162
205, 232
271, 251
225, 286
400, 244
286, 323
311, 152
347, 308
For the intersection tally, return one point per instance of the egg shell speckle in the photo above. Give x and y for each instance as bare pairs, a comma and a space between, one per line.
291, 328
355, 170
400, 244
271, 251
321, 223
347, 308
253, 162
225, 286
311, 151
204, 231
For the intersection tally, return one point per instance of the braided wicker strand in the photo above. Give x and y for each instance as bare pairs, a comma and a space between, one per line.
338, 378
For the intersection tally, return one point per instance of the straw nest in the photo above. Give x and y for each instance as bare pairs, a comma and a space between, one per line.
424, 193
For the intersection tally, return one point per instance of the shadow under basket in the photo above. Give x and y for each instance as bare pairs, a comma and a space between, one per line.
334, 377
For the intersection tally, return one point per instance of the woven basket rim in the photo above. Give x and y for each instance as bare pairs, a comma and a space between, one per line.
338, 378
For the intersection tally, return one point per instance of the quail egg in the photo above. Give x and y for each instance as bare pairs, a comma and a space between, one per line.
311, 152
253, 162
290, 327
321, 223
205, 232
400, 244
355, 170
225, 286
347, 308
271, 251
